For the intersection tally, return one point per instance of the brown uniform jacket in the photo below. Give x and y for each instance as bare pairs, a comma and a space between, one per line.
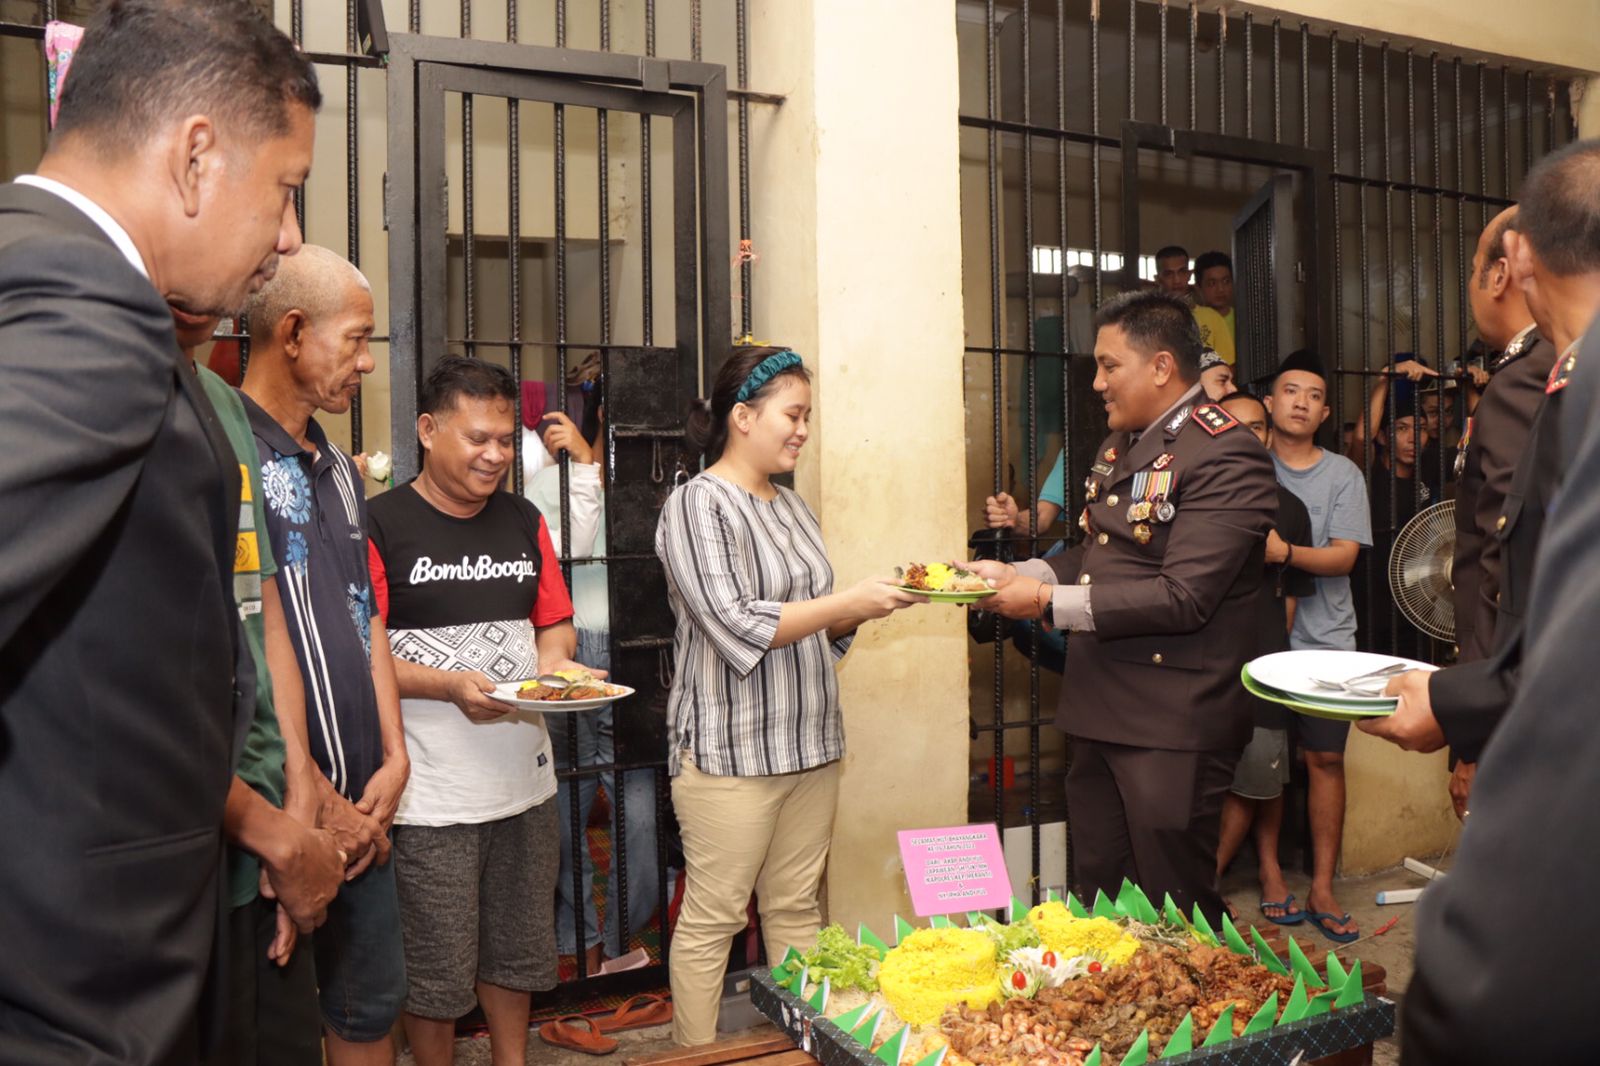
1174, 617
1499, 437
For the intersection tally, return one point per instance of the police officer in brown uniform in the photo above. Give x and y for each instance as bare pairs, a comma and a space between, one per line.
1160, 596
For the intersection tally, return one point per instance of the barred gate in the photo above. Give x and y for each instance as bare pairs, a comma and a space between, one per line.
1080, 116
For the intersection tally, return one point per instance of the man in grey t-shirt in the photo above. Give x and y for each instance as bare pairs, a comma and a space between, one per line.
1335, 495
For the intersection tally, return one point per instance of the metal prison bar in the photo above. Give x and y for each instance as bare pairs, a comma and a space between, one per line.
359, 16
1443, 123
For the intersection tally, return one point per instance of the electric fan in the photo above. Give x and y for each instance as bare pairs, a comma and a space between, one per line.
1420, 570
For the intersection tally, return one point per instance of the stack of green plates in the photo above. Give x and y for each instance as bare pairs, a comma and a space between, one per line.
1309, 700
1327, 707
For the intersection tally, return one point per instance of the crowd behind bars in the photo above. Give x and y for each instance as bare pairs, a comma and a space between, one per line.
241, 706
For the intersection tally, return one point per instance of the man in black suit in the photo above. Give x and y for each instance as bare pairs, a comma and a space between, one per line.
1534, 835
125, 688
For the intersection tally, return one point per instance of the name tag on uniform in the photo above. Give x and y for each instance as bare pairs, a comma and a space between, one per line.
1101, 468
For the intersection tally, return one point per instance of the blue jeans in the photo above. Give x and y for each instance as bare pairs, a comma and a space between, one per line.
596, 747
361, 966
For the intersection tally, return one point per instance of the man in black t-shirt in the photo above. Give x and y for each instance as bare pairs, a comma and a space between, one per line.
1257, 793
1380, 628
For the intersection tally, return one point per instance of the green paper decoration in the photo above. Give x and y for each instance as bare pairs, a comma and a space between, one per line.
934, 1059
939, 921
1052, 894
1094, 1057
1234, 941
1262, 1020
1103, 907
1321, 1003
781, 972
1302, 966
1144, 910
1019, 910
1352, 993
902, 929
1295, 1009
889, 1054
865, 1033
1337, 975
1076, 908
1170, 911
1222, 1031
1182, 1039
1268, 957
819, 998
852, 1018
1124, 901
866, 937
976, 919
1139, 1053
1202, 924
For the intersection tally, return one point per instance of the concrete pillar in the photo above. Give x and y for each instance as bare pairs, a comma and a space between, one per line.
857, 218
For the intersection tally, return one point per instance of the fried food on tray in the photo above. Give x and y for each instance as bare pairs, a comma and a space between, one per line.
1111, 1007
567, 685
939, 577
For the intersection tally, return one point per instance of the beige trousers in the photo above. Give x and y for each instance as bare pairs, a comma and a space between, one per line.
769, 834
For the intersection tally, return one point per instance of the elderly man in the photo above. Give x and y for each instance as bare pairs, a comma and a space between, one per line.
310, 327
1162, 598
127, 684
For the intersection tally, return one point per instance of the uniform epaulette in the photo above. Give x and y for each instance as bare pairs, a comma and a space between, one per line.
1213, 419
1561, 373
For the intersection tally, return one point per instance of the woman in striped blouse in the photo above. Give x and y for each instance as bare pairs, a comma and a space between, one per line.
754, 727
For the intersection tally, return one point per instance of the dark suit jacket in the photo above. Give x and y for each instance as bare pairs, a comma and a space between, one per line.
1470, 699
1500, 435
1174, 618
117, 654
1503, 942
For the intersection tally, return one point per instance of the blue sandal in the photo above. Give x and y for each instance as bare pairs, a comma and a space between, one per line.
1285, 918
1318, 917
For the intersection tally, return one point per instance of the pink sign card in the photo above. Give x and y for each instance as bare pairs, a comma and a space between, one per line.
958, 868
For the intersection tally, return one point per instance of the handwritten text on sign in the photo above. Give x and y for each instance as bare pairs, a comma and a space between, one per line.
958, 868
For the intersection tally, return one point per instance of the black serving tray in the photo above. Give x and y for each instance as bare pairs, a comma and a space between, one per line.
1314, 1038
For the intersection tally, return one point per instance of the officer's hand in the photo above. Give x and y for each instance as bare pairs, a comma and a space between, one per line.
1022, 597
997, 574
1412, 726
1461, 786
1000, 511
1479, 376
1277, 547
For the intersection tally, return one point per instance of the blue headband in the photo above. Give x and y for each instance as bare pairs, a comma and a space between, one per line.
765, 371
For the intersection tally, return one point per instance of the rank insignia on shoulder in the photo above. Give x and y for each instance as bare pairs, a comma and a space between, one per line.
1561, 373
1213, 419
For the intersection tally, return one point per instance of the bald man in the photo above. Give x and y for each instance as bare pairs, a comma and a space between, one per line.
309, 330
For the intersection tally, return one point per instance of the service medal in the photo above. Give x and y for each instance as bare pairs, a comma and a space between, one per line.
1139, 511
1165, 510
1141, 533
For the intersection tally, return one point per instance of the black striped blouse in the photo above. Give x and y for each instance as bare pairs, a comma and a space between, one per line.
741, 706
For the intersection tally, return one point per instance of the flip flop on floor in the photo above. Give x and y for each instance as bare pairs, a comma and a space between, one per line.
640, 1012
1318, 917
590, 1040
1286, 918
